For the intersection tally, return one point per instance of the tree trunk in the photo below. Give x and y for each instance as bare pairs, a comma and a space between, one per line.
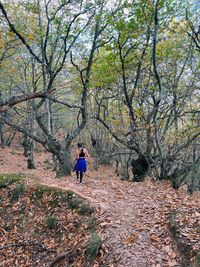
188, 175
2, 139
31, 155
29, 149
64, 163
1, 134
25, 143
9, 140
163, 173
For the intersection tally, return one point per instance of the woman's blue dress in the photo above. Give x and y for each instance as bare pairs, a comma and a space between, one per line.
81, 165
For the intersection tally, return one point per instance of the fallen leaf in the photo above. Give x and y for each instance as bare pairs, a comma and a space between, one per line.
131, 238
155, 238
172, 263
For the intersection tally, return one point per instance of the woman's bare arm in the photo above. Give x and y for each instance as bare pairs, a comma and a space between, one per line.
86, 153
77, 154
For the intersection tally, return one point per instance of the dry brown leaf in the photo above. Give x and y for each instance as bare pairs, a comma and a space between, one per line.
155, 238
174, 255
103, 224
172, 263
131, 238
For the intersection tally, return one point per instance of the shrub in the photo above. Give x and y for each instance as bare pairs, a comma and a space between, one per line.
39, 191
8, 179
51, 222
85, 209
17, 192
93, 247
75, 203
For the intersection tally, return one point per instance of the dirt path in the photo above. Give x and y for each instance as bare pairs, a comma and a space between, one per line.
133, 218
133, 215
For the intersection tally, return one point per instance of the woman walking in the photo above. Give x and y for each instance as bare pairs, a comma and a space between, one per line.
81, 165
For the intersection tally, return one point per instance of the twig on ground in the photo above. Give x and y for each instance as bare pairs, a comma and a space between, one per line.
24, 243
65, 255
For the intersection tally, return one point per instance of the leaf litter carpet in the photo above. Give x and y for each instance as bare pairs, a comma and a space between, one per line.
132, 217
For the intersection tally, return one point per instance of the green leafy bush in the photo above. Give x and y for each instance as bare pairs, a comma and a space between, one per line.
8, 179
93, 247
17, 192
51, 222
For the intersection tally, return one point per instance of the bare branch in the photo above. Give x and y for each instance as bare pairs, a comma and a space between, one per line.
63, 103
24, 131
6, 105
13, 29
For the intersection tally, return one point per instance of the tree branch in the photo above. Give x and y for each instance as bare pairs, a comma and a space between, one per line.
24, 131
53, 99
13, 29
6, 105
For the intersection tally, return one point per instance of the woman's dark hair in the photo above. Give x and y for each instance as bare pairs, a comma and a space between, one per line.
79, 144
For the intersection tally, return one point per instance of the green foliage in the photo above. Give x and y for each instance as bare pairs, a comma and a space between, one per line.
79, 204
105, 70
93, 247
58, 196
75, 203
31, 7
39, 192
51, 222
85, 209
17, 192
91, 224
8, 179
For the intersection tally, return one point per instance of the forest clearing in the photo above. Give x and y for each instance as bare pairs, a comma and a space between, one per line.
99, 133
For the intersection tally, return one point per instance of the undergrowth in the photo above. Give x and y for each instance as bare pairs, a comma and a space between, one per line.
189, 258
51, 218
8, 179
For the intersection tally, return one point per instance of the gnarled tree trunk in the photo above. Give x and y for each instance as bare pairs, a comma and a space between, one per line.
62, 155
189, 176
64, 163
29, 151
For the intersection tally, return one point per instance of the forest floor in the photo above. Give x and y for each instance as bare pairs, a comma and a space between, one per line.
134, 218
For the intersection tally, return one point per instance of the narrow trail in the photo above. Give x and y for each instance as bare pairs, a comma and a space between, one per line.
133, 216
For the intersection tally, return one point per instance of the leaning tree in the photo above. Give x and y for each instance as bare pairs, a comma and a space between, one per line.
58, 40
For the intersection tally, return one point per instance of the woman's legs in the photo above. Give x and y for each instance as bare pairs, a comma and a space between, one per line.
81, 177
80, 168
